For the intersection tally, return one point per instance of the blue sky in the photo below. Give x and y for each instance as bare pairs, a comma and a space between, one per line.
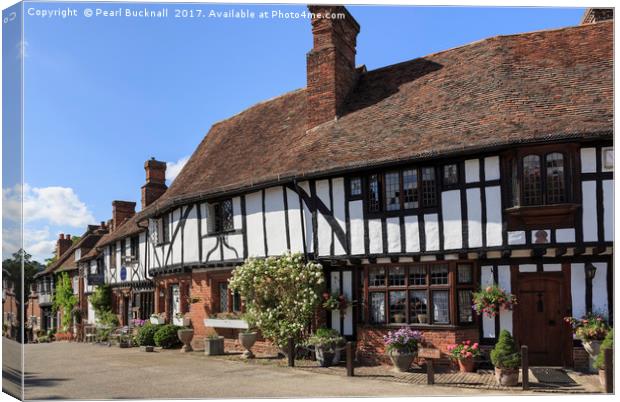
105, 94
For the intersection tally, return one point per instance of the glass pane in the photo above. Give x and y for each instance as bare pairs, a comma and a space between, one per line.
376, 276
356, 186
392, 191
410, 188
396, 276
515, 183
374, 204
223, 297
465, 309
236, 302
417, 275
531, 180
450, 174
439, 274
398, 300
429, 193
465, 273
227, 215
441, 309
377, 307
556, 192
418, 304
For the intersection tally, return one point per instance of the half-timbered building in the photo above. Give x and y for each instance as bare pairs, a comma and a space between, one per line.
414, 185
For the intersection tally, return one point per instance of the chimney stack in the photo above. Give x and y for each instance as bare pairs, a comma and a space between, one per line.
330, 65
155, 184
122, 211
62, 244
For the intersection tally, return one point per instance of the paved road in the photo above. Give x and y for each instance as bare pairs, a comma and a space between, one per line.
63, 370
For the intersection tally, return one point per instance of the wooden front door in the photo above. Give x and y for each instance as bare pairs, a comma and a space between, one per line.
541, 307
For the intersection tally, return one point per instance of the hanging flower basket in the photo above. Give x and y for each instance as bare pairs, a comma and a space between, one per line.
490, 300
335, 302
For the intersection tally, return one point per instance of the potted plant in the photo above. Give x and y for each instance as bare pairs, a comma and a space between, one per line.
327, 345
599, 362
506, 359
214, 345
157, 319
591, 329
490, 300
402, 347
247, 337
186, 334
465, 353
335, 301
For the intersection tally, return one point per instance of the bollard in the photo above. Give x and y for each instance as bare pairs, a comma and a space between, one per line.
350, 358
609, 370
525, 368
430, 372
291, 352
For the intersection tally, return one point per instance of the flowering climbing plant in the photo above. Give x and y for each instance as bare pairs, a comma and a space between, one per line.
464, 350
590, 327
490, 300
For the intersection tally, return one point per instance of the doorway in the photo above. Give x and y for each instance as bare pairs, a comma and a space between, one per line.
542, 303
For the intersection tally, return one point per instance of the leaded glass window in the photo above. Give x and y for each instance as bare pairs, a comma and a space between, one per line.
532, 194
556, 186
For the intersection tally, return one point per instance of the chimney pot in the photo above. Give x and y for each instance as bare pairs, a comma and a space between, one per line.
155, 184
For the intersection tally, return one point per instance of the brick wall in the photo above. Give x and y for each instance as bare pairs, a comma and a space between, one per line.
371, 349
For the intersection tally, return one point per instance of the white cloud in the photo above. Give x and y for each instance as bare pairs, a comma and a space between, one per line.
52, 205
174, 168
39, 243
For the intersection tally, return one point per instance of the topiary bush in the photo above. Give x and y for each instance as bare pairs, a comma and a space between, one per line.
146, 335
166, 336
608, 343
505, 354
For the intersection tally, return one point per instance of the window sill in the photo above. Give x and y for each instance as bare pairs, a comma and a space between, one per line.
555, 216
421, 326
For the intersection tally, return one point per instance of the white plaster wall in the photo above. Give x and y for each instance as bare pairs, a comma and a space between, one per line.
177, 245
412, 234
431, 231
356, 226
323, 228
588, 160
491, 168
488, 324
516, 237
578, 289
236, 242
494, 216
527, 268
294, 221
600, 302
142, 239
393, 234
452, 219
254, 220
503, 281
190, 237
608, 209
308, 219
208, 244
338, 193
474, 217
588, 195
237, 215
565, 235
552, 267
472, 171
375, 236
275, 221
204, 217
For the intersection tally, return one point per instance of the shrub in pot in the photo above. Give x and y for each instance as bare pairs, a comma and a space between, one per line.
402, 347
465, 353
599, 362
214, 345
327, 345
146, 334
506, 359
166, 336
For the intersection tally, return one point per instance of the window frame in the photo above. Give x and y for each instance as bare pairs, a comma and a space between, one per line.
134, 247
212, 224
452, 287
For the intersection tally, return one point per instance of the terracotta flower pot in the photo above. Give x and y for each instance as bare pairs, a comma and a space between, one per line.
402, 360
507, 377
467, 365
247, 340
185, 336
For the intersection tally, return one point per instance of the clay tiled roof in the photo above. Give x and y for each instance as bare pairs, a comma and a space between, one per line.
530, 87
67, 262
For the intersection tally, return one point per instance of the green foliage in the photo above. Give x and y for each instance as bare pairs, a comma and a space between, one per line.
326, 338
166, 336
608, 343
101, 298
505, 354
107, 319
280, 294
146, 335
64, 299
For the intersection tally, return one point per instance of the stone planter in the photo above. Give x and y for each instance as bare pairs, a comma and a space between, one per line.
148, 348
247, 340
157, 320
214, 346
185, 336
593, 348
467, 365
402, 361
507, 377
327, 356
423, 318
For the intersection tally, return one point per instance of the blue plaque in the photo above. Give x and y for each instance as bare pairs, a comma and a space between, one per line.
123, 273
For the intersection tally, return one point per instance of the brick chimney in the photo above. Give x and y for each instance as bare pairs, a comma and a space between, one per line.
155, 184
330, 65
63, 244
121, 211
592, 15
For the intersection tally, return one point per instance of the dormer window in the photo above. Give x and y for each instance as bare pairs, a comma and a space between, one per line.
220, 218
